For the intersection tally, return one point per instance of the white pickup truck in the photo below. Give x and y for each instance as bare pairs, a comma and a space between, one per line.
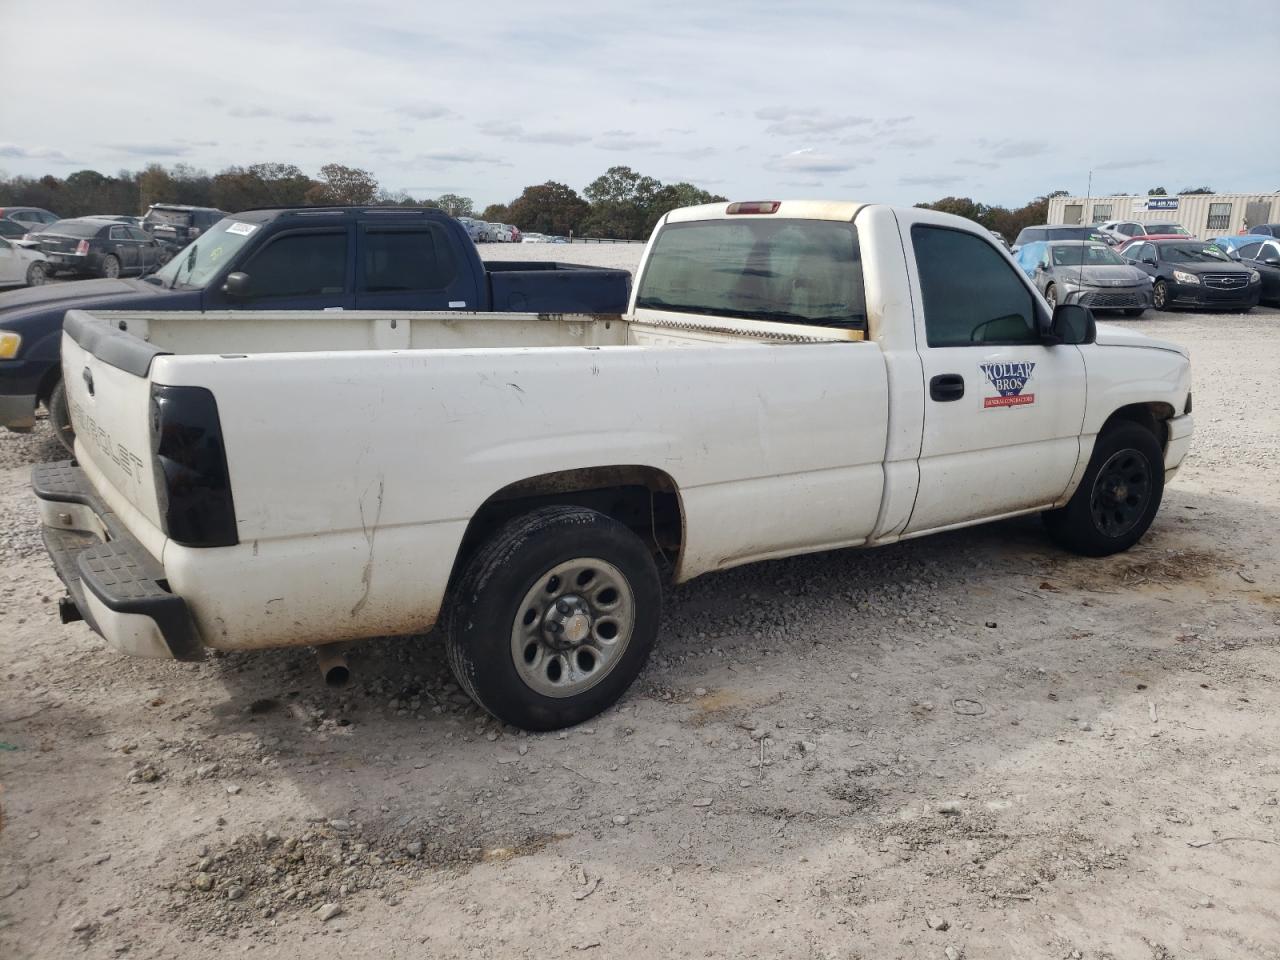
790, 377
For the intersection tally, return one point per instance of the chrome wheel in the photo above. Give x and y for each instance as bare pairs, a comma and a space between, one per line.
1121, 493
36, 275
1160, 295
1051, 295
111, 268
572, 627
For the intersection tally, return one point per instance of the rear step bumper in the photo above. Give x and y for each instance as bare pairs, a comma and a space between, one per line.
116, 585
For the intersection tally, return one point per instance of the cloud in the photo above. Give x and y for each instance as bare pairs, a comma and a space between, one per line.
803, 122
1125, 164
624, 140
940, 180
426, 111
1013, 148
505, 130
911, 143
459, 156
808, 160
984, 164
149, 149
14, 152
692, 153
263, 113
891, 122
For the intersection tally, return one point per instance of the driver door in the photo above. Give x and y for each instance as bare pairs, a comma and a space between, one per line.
1003, 412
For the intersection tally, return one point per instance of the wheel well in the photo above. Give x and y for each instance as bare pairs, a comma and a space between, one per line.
643, 498
1154, 416
48, 382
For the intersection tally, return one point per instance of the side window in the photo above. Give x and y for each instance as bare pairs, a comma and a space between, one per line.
399, 259
1250, 250
300, 264
119, 233
140, 235
1269, 250
971, 294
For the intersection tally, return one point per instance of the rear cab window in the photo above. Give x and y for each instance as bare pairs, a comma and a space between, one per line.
782, 270
396, 259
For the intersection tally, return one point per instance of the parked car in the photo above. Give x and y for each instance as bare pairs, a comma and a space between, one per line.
353, 258
175, 225
535, 238
1265, 229
489, 231
1232, 244
1085, 272
34, 219
516, 235
1188, 273
1121, 231
1000, 236
1058, 231
97, 248
537, 540
472, 226
20, 265
1263, 255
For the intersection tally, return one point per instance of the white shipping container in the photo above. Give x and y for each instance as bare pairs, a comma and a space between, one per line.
1206, 215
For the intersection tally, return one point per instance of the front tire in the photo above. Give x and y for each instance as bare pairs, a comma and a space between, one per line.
1160, 295
553, 618
1118, 496
1051, 295
36, 275
60, 418
110, 267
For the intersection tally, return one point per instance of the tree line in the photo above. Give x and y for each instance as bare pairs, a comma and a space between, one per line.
619, 204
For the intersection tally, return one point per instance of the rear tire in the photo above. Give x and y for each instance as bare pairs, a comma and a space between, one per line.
553, 617
1160, 295
36, 275
60, 417
110, 267
1118, 496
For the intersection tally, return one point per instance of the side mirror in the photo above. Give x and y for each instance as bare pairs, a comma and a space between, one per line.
1072, 324
236, 285
1272, 261
1151, 261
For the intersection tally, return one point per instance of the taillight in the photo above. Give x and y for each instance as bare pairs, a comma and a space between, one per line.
754, 206
192, 482
82, 248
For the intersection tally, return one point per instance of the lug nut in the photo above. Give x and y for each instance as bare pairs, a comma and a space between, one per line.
564, 607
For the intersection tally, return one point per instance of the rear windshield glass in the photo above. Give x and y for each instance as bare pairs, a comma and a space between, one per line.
75, 228
799, 271
1075, 233
1193, 253
1089, 255
174, 218
1167, 228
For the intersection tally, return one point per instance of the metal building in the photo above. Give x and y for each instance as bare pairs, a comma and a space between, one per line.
1203, 214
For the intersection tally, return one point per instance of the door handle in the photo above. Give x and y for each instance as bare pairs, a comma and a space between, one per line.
946, 386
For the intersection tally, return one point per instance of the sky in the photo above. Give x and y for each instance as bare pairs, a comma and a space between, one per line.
897, 101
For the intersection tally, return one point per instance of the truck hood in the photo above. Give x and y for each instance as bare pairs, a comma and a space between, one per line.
105, 294
1110, 335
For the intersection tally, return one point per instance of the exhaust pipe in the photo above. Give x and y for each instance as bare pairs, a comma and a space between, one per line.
332, 661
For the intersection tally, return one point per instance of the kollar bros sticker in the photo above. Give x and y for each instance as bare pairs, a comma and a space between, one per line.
1009, 379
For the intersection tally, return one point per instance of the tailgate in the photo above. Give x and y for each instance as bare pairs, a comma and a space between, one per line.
105, 371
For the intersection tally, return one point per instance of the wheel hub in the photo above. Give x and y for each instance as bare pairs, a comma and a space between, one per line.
567, 623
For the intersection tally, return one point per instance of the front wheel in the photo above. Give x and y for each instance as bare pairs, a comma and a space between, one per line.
36, 274
553, 617
1051, 294
60, 418
1118, 496
1160, 295
110, 267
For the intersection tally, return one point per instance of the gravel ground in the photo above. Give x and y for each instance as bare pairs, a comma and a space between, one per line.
971, 745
